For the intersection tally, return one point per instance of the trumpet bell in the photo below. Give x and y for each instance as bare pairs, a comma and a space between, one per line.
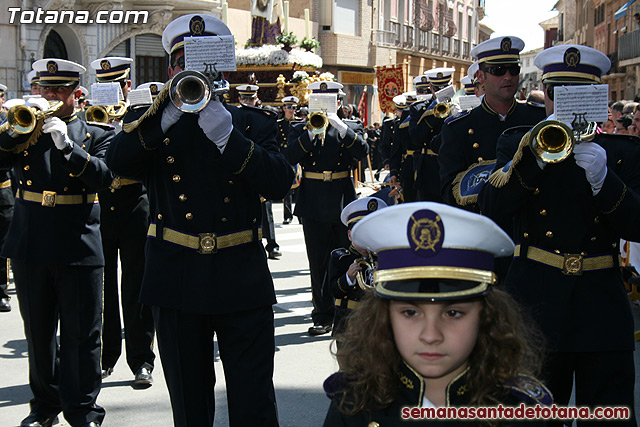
317, 122
552, 141
442, 110
96, 113
190, 91
21, 119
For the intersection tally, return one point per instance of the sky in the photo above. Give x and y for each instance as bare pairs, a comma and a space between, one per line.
519, 18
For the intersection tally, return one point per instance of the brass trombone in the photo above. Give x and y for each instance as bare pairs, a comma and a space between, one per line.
552, 141
22, 119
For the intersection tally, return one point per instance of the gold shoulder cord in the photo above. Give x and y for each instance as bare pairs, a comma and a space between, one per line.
244, 165
83, 167
624, 193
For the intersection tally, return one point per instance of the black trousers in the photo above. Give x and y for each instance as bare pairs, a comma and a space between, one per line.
138, 319
287, 204
268, 226
64, 377
246, 344
407, 181
601, 379
6, 212
320, 239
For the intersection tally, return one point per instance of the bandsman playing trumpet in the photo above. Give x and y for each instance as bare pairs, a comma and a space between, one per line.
124, 220
327, 151
401, 173
427, 118
568, 219
467, 150
206, 269
351, 269
55, 247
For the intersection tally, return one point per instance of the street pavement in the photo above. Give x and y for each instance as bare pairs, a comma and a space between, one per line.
302, 362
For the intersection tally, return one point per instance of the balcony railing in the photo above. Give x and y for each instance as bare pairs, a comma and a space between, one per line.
424, 39
408, 37
384, 38
395, 28
629, 46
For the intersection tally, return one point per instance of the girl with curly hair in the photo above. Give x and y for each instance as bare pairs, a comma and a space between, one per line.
433, 333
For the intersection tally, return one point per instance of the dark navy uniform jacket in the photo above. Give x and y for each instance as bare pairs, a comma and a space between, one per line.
386, 136
400, 144
317, 199
339, 264
194, 189
62, 234
554, 209
423, 127
124, 207
469, 138
522, 389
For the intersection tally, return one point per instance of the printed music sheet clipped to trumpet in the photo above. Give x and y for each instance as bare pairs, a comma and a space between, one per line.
217, 50
589, 101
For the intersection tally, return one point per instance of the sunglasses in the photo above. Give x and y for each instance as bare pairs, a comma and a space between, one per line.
289, 107
501, 70
179, 62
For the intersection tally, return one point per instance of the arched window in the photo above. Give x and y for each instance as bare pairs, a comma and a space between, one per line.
54, 46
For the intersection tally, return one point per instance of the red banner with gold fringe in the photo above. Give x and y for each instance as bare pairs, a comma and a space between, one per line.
390, 83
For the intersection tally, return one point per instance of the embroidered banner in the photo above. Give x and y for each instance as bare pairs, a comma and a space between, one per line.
390, 83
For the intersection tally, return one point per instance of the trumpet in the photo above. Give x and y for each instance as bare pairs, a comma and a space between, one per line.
442, 110
191, 91
368, 264
105, 114
22, 119
317, 122
552, 141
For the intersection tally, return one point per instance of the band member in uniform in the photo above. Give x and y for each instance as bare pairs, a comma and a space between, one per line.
56, 251
344, 266
248, 98
434, 332
468, 139
33, 78
425, 124
124, 220
327, 159
6, 212
569, 217
206, 270
289, 104
400, 156
3, 112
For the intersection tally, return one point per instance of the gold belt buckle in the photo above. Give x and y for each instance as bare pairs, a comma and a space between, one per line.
116, 183
207, 244
49, 198
572, 265
327, 176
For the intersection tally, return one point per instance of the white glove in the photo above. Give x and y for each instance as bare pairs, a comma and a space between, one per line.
215, 121
40, 103
58, 130
170, 115
338, 124
593, 159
